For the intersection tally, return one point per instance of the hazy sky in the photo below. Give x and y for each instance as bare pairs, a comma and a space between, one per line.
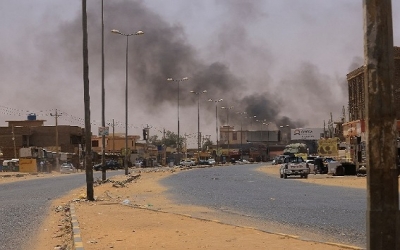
284, 61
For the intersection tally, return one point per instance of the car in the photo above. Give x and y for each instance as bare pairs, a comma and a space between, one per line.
111, 164
243, 161
139, 164
310, 164
294, 166
203, 162
67, 168
211, 161
187, 163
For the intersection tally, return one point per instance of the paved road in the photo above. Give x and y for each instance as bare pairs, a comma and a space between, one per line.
321, 213
24, 203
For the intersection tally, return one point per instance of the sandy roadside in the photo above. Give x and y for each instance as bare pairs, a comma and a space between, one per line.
151, 221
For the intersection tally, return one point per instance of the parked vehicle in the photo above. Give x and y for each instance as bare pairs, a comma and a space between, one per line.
187, 163
211, 161
310, 164
111, 164
203, 162
294, 165
67, 168
279, 159
320, 166
243, 161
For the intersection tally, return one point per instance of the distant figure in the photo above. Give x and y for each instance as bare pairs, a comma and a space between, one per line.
41, 166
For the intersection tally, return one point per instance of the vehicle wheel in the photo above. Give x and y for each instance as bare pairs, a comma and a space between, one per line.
281, 175
284, 176
306, 176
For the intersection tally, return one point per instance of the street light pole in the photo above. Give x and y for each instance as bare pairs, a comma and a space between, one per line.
216, 120
198, 121
126, 92
227, 122
178, 141
286, 136
241, 133
267, 124
103, 122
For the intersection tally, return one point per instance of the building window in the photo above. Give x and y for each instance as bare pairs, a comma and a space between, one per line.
234, 136
95, 143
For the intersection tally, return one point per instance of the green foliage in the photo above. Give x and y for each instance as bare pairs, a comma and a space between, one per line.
206, 144
170, 139
295, 148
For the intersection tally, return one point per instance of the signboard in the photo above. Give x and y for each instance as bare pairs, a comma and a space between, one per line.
104, 131
328, 147
312, 134
27, 165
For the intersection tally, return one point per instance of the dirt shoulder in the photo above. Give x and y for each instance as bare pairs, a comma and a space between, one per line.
149, 220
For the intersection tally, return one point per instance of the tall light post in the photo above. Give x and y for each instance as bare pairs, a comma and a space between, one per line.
178, 141
251, 120
103, 121
198, 121
126, 92
286, 136
241, 133
216, 119
227, 123
267, 124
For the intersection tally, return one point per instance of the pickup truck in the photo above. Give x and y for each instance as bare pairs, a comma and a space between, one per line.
294, 166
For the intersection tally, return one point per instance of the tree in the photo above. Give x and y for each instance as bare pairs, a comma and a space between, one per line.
208, 143
169, 140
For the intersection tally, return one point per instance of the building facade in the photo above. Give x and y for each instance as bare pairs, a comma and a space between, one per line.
354, 129
356, 88
33, 133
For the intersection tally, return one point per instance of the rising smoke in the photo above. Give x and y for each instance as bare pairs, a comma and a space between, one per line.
165, 52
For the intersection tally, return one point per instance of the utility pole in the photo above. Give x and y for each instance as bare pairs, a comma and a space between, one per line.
56, 115
86, 96
241, 133
103, 122
383, 219
113, 137
113, 125
13, 138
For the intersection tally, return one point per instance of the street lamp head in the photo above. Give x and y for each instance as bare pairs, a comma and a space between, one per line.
177, 80
115, 31
204, 91
139, 33
192, 92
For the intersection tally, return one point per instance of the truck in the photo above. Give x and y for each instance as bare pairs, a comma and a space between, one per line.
294, 165
298, 149
337, 156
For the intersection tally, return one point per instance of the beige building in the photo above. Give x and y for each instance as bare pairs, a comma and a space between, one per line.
114, 144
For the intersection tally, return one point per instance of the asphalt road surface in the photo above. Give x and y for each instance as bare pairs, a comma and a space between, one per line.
244, 196
24, 204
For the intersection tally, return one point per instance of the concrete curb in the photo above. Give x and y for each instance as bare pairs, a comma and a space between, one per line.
76, 231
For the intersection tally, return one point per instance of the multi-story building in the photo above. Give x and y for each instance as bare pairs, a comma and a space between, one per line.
114, 143
33, 133
356, 89
354, 129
